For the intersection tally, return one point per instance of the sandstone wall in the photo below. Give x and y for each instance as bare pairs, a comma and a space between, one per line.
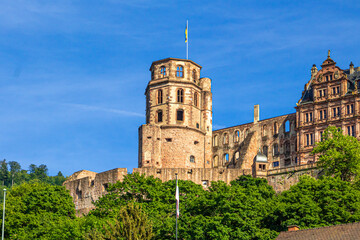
202, 176
86, 187
283, 179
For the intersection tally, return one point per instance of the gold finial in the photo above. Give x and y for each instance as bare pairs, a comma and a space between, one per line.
328, 53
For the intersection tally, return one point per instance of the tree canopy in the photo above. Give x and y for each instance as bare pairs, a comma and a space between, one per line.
339, 155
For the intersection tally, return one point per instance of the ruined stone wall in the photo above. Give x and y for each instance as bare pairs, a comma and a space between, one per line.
282, 179
243, 142
86, 187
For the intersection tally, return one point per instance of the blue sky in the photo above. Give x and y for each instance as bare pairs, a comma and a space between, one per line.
73, 73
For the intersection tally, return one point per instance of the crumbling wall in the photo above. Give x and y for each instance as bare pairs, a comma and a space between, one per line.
86, 187
283, 179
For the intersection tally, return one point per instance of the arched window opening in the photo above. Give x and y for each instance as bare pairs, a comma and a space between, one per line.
180, 95
192, 159
196, 99
236, 136
194, 76
264, 133
275, 149
287, 148
159, 116
287, 126
237, 156
216, 161
226, 139
152, 74
226, 157
265, 150
163, 71
275, 128
215, 141
197, 125
160, 96
180, 115
180, 71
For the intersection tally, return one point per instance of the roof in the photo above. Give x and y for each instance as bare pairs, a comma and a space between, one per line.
348, 231
260, 157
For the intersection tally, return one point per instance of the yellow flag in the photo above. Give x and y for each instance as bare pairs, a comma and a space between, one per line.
186, 34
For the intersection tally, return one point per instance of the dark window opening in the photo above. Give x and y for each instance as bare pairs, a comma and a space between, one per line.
180, 115
180, 95
160, 116
192, 159
276, 164
160, 96
168, 139
197, 125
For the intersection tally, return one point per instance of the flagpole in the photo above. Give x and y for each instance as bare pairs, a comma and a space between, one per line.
187, 42
176, 210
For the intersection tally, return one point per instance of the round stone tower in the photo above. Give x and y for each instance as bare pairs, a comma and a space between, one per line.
178, 129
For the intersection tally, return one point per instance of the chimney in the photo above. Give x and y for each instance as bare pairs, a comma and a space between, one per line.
293, 228
314, 70
256, 113
351, 68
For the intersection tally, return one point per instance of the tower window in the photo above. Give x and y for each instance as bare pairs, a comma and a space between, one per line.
163, 71
197, 125
160, 116
180, 71
196, 99
180, 95
194, 75
192, 159
160, 96
180, 115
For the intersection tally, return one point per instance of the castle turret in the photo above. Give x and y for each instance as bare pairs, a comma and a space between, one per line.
178, 128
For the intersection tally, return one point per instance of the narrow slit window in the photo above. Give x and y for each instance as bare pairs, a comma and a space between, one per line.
160, 96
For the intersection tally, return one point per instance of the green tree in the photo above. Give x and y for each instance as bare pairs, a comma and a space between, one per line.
235, 211
315, 203
339, 155
40, 211
131, 223
4, 172
15, 169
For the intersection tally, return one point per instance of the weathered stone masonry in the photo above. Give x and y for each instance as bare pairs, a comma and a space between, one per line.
178, 136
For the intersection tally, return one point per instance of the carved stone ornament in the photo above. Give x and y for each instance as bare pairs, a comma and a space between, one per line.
320, 78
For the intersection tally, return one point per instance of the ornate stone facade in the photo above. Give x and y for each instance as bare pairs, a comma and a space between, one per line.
178, 136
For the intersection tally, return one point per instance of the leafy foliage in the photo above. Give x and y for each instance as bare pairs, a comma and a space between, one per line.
339, 154
223, 212
315, 203
40, 211
17, 176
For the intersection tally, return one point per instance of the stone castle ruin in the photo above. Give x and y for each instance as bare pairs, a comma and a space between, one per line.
178, 136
